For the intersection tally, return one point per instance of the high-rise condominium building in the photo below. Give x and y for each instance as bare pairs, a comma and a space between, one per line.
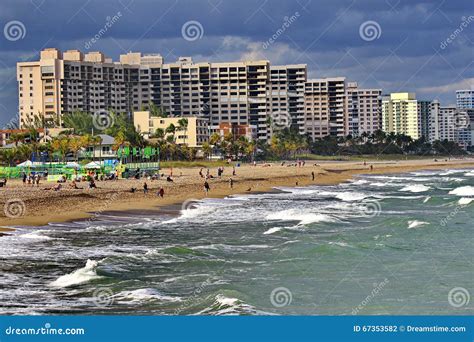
442, 122
325, 107
424, 118
400, 114
364, 110
465, 99
224, 92
285, 96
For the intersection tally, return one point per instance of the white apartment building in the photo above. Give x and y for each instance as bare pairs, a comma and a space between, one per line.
364, 110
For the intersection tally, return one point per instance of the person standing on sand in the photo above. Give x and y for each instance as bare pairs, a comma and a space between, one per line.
200, 173
206, 187
145, 188
231, 183
24, 178
312, 175
371, 167
233, 170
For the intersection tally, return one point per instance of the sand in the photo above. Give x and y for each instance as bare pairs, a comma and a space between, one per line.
39, 207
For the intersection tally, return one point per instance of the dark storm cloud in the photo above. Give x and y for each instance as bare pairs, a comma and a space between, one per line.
325, 34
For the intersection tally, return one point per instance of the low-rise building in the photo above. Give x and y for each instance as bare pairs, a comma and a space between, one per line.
194, 134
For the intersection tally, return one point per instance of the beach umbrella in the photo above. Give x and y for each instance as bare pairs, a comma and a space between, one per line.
73, 165
27, 163
92, 165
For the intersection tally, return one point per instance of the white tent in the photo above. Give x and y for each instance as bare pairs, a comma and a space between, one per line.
27, 163
73, 165
92, 165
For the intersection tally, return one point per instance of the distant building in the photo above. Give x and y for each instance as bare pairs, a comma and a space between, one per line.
102, 151
196, 133
442, 122
325, 107
364, 110
465, 99
424, 118
400, 114
43, 134
238, 131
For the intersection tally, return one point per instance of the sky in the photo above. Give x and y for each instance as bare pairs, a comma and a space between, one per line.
396, 45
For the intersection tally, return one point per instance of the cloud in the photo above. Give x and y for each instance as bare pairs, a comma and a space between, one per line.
467, 83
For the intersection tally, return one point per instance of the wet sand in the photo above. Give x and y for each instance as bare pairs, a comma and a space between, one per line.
36, 206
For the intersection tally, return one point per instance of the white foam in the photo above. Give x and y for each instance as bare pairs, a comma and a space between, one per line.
147, 294
303, 218
465, 200
416, 223
426, 199
80, 276
415, 188
346, 196
36, 236
467, 190
469, 174
340, 244
272, 230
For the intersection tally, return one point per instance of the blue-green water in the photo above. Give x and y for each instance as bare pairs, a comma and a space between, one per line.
388, 244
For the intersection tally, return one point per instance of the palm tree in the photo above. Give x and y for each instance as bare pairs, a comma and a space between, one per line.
171, 129
206, 149
183, 126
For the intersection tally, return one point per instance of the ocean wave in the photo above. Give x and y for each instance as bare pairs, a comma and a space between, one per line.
416, 223
465, 200
80, 276
415, 188
469, 174
302, 217
223, 305
35, 235
463, 191
142, 295
272, 230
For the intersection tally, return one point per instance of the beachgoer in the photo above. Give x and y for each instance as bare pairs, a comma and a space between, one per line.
161, 192
231, 183
206, 187
145, 188
200, 173
169, 179
371, 167
132, 190
312, 174
233, 170
24, 178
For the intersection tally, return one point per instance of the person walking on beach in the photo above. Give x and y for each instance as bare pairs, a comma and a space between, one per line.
145, 188
24, 178
312, 175
233, 170
200, 173
206, 187
161, 192
231, 183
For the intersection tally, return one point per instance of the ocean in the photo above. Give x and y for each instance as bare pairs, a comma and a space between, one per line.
397, 244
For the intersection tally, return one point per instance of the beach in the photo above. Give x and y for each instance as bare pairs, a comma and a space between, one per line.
45, 206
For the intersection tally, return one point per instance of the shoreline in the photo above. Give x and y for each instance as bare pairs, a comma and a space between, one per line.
43, 207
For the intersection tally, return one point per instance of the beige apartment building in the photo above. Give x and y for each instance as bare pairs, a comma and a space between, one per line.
194, 135
400, 114
325, 110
